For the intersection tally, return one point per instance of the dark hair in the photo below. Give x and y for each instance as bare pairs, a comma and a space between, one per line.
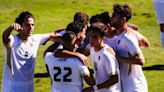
81, 17
105, 17
68, 36
98, 27
75, 27
123, 10
94, 19
23, 17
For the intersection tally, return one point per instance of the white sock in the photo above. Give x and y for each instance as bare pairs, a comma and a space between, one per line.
162, 38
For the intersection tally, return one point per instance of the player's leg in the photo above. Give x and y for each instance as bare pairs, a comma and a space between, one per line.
162, 34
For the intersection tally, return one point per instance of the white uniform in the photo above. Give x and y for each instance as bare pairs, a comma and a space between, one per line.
159, 10
133, 79
111, 41
105, 64
66, 74
22, 56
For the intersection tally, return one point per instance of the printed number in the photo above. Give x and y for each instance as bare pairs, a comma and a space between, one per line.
57, 74
65, 77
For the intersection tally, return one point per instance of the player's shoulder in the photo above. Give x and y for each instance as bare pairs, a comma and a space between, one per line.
129, 37
106, 51
74, 59
48, 55
36, 35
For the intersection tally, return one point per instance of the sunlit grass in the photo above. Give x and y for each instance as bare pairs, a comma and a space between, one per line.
54, 14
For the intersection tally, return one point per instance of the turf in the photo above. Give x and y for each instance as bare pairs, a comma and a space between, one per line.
54, 14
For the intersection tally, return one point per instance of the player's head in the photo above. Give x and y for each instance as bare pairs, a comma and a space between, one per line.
23, 16
95, 18
69, 41
81, 17
26, 20
121, 14
98, 31
79, 29
106, 17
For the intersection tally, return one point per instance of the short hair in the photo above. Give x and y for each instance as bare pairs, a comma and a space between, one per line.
23, 17
123, 10
94, 19
75, 27
98, 27
68, 36
81, 17
105, 17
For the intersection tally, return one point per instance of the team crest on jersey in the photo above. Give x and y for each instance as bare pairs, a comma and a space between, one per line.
24, 51
99, 58
95, 66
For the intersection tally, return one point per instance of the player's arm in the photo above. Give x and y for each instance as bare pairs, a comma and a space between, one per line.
6, 34
89, 79
68, 54
84, 51
134, 52
137, 59
113, 79
144, 42
54, 37
7, 38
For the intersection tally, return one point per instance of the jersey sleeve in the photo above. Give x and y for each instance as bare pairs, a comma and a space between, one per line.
12, 40
132, 45
47, 57
41, 38
138, 36
110, 63
44, 38
83, 69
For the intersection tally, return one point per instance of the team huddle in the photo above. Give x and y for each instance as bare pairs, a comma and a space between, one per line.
113, 44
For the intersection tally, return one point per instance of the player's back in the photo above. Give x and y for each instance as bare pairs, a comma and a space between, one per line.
65, 73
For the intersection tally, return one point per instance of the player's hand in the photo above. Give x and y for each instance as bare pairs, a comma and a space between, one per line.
16, 27
85, 60
111, 50
89, 89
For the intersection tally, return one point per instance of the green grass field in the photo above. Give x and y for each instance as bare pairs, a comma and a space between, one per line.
54, 14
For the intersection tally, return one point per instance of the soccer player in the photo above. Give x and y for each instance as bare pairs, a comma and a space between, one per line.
20, 54
159, 11
81, 17
79, 25
128, 52
105, 18
79, 29
106, 67
67, 73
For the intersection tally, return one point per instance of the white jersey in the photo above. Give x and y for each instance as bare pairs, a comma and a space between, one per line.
105, 64
132, 77
111, 41
66, 74
22, 56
